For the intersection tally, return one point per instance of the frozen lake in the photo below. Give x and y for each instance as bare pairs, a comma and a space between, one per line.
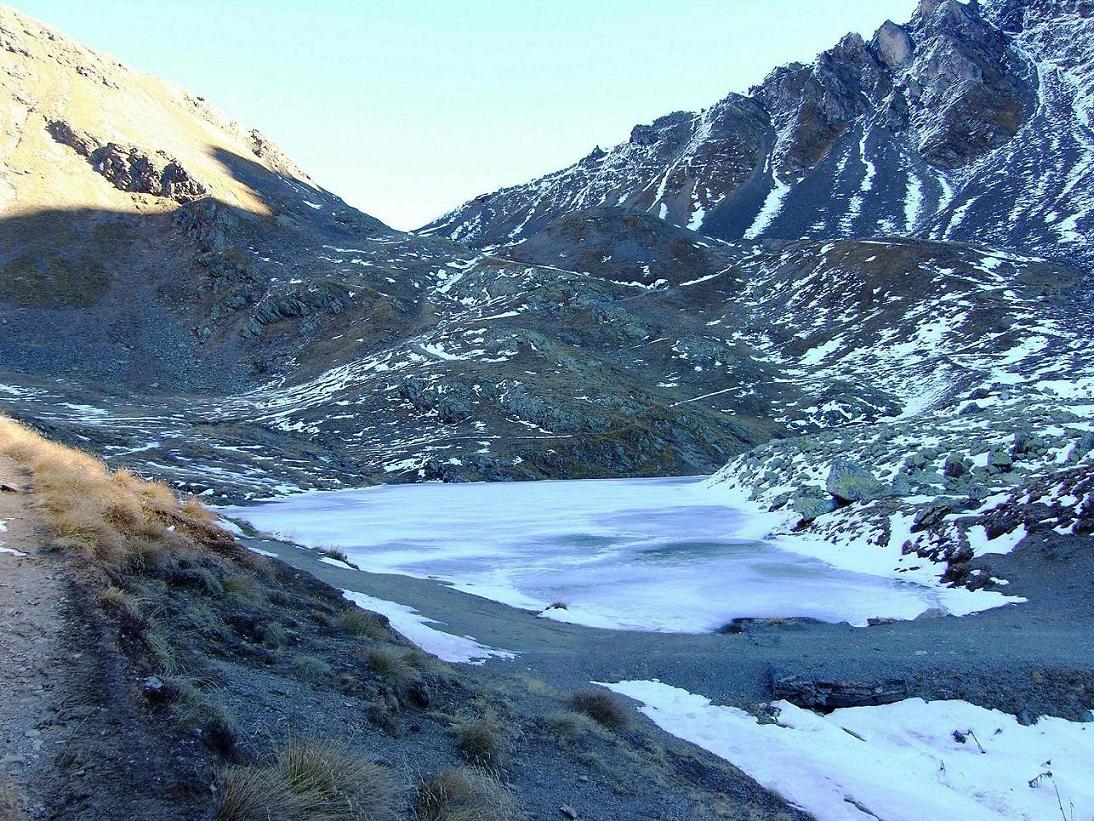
645, 554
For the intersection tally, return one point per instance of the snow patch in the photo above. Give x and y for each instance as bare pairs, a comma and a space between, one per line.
414, 626
902, 762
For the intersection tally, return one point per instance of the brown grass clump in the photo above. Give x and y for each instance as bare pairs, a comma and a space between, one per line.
243, 584
117, 599
309, 668
309, 781
603, 706
482, 741
399, 667
466, 794
112, 516
256, 794
568, 724
363, 623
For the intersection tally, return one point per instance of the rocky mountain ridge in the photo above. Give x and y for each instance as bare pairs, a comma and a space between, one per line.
969, 123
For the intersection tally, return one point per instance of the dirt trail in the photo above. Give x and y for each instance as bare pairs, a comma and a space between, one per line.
74, 741
32, 597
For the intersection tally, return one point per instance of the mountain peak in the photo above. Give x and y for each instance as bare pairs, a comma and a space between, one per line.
905, 134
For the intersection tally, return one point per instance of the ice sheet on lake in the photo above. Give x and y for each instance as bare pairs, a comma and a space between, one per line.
901, 762
647, 554
412, 625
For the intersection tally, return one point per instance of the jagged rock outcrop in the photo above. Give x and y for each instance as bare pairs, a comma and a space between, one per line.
832, 694
970, 122
130, 169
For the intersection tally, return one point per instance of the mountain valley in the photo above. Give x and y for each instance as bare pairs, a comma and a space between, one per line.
856, 305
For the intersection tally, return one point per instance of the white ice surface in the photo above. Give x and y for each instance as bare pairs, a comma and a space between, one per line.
897, 762
414, 626
648, 554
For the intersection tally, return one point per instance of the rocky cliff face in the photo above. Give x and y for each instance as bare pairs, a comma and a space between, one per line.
971, 122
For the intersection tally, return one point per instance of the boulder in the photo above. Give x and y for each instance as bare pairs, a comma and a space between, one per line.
830, 694
893, 45
1000, 459
851, 482
955, 466
811, 502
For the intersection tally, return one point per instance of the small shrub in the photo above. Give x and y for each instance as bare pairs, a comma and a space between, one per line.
335, 783
466, 794
363, 623
603, 706
114, 598
336, 554
568, 725
399, 667
310, 668
482, 741
242, 584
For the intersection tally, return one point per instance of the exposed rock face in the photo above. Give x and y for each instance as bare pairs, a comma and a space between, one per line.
831, 694
83, 144
852, 482
971, 122
130, 169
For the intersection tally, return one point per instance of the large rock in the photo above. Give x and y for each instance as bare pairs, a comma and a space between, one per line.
893, 45
831, 694
129, 168
851, 482
811, 502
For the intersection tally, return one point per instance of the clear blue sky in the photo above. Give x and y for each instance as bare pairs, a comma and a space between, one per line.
407, 108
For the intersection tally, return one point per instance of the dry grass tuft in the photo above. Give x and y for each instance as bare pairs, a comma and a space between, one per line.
243, 584
364, 623
117, 599
603, 706
482, 741
202, 711
569, 725
309, 668
111, 516
256, 794
399, 667
309, 782
466, 794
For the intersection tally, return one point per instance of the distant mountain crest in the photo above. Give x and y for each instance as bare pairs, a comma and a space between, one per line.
971, 122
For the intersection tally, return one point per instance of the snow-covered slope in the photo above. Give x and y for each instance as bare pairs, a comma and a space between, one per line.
971, 123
